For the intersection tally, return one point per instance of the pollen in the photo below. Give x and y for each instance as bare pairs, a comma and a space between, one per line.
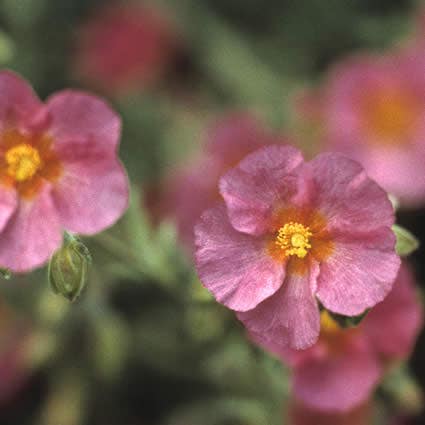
23, 162
294, 239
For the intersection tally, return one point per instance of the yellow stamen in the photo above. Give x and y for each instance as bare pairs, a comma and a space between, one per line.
328, 324
23, 162
294, 239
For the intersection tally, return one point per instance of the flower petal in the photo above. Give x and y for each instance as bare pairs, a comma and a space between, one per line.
8, 204
31, 235
235, 267
79, 118
359, 273
347, 197
235, 135
338, 381
91, 195
260, 181
18, 102
289, 318
393, 325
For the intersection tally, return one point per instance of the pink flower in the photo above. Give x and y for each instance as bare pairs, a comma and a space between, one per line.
125, 47
371, 109
341, 371
290, 233
58, 170
194, 188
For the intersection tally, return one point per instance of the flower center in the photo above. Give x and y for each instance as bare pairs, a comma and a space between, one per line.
391, 115
23, 162
294, 239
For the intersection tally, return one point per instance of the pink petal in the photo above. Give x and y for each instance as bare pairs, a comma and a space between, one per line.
289, 318
235, 267
393, 325
18, 102
79, 118
400, 171
235, 135
289, 356
31, 235
345, 195
339, 381
8, 204
91, 195
260, 181
359, 273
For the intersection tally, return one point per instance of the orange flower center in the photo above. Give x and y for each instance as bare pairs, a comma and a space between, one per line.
390, 115
298, 236
23, 162
27, 161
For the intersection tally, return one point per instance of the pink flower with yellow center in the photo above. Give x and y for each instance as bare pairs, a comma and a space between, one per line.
58, 170
371, 109
290, 233
123, 47
343, 368
194, 188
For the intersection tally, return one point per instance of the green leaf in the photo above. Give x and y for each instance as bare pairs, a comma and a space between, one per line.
7, 48
406, 242
401, 389
348, 321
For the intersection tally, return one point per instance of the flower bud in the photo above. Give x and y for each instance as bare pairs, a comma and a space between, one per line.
68, 268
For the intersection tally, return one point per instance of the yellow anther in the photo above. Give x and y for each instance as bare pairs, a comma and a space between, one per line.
23, 162
294, 239
328, 324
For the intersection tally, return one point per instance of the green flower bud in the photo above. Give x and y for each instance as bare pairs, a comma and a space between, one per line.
5, 273
68, 268
406, 242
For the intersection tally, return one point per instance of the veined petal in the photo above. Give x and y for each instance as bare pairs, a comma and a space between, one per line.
359, 273
260, 182
347, 197
78, 119
91, 194
31, 235
234, 266
290, 318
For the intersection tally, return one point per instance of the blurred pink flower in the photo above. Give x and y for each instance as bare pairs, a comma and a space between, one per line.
290, 232
194, 188
341, 371
125, 47
58, 170
371, 108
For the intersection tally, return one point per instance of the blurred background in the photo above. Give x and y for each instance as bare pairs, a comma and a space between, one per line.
145, 344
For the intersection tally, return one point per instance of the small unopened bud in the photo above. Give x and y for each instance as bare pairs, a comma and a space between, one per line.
5, 273
68, 268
